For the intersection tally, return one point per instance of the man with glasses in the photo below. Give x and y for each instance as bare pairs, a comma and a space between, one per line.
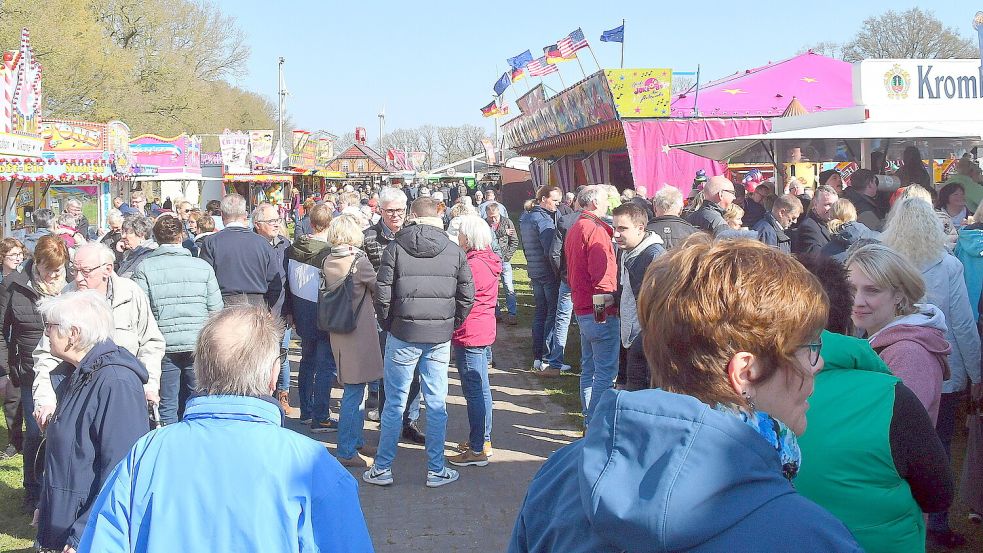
135, 327
268, 224
718, 194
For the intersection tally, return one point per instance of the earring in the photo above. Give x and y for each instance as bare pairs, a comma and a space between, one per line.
747, 398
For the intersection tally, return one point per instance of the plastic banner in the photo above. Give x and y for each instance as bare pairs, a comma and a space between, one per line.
235, 151
641, 92
260, 147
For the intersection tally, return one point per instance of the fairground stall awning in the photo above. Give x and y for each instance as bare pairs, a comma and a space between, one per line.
259, 178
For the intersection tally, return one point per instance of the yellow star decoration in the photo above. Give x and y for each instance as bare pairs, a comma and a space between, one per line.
809, 79
733, 91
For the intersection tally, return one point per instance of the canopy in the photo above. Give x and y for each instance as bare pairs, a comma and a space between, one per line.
729, 147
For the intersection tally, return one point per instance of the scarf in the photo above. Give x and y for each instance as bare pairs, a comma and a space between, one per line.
345, 250
775, 432
45, 289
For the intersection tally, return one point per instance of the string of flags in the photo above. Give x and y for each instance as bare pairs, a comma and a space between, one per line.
524, 64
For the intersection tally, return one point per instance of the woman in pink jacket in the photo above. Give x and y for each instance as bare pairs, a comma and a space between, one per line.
472, 340
909, 337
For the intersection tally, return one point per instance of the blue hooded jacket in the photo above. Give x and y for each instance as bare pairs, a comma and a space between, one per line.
663, 472
228, 478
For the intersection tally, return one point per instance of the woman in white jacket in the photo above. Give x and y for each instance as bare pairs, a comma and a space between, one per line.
914, 231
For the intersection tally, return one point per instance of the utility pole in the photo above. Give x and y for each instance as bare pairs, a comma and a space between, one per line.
282, 94
382, 127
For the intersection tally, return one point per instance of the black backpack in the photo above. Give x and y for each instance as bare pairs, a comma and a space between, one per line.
334, 308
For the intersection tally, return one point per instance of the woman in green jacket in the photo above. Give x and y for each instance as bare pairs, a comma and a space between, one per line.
871, 455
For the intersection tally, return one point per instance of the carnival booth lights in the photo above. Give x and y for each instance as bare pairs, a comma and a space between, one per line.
167, 167
618, 126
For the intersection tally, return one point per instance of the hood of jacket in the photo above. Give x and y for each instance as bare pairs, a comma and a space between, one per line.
650, 239
108, 352
306, 249
853, 232
926, 328
423, 238
662, 448
971, 242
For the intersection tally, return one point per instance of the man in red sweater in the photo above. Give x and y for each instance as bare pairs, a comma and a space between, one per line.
593, 271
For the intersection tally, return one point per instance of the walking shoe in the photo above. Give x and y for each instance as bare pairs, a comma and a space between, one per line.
305, 420
413, 434
468, 458
438, 479
379, 477
355, 461
464, 446
330, 425
537, 364
372, 415
283, 397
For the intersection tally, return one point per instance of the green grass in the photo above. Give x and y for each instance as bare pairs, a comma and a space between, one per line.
16, 534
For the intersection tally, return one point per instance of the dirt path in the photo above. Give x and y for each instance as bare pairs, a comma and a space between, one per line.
477, 512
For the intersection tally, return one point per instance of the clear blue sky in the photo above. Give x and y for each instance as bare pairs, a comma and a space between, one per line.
436, 61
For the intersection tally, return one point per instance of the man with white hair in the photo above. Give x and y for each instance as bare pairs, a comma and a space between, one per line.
667, 223
135, 327
813, 232
640, 197
718, 194
592, 273
74, 207
255, 486
392, 206
244, 262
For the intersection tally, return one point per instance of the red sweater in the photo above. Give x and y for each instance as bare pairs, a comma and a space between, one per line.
591, 266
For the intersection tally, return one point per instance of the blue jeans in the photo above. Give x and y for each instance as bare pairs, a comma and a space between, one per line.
506, 279
564, 309
351, 422
316, 377
283, 385
599, 346
545, 294
177, 384
472, 366
32, 441
401, 359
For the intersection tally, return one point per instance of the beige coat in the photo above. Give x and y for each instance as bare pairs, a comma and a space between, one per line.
358, 355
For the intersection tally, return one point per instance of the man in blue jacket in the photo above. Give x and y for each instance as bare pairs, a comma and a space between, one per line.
537, 229
772, 228
255, 485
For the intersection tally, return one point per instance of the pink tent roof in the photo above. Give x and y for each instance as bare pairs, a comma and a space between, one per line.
819, 82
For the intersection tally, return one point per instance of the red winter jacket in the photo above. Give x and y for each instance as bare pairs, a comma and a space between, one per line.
591, 266
479, 327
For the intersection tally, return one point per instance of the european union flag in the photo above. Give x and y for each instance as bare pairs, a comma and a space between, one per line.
521, 60
502, 83
616, 34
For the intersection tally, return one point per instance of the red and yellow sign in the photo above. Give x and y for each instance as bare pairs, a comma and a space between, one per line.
71, 136
260, 177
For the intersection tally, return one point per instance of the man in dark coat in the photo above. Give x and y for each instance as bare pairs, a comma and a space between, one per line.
813, 232
862, 193
772, 228
673, 229
718, 194
537, 228
424, 291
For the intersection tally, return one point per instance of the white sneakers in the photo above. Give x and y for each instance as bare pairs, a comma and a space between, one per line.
384, 477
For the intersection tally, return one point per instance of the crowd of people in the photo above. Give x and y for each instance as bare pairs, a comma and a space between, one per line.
152, 361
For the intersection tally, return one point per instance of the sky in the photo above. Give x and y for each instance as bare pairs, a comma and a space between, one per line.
434, 62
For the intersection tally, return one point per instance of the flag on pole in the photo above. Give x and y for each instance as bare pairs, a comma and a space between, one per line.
518, 75
520, 61
539, 68
503, 82
490, 110
616, 34
569, 44
553, 54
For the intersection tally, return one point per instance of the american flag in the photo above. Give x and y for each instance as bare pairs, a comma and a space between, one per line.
539, 68
571, 43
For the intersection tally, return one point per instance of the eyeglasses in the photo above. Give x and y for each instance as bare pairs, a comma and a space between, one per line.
268, 221
86, 272
814, 349
48, 326
14, 255
730, 191
394, 212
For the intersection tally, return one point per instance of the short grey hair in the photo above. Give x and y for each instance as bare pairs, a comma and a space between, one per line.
591, 194
103, 252
72, 202
476, 231
67, 219
826, 189
391, 195
233, 207
114, 217
236, 352
138, 225
258, 210
666, 199
86, 310
43, 218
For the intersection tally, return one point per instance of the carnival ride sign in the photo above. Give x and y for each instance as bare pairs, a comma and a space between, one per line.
20, 77
16, 169
178, 154
235, 151
641, 93
71, 136
261, 147
583, 105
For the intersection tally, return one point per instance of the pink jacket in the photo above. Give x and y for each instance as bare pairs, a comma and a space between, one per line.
916, 353
479, 327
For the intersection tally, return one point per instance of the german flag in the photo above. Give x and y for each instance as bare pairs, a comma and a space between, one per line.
518, 75
553, 55
491, 110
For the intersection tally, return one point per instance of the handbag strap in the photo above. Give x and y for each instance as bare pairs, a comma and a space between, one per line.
351, 271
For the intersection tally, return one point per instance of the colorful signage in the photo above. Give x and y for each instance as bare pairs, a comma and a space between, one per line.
20, 107
73, 136
235, 151
641, 92
258, 177
55, 170
583, 105
176, 155
261, 147
917, 82
118, 144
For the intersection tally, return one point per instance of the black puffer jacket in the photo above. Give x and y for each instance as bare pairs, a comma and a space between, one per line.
709, 217
672, 229
424, 289
21, 326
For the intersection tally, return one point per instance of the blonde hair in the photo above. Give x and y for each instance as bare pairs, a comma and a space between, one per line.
889, 270
732, 214
841, 213
914, 230
345, 229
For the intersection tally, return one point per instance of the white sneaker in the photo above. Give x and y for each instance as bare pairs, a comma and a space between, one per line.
537, 365
438, 479
563, 368
383, 477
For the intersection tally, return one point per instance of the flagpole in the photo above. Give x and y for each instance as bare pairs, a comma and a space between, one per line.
622, 43
580, 64
558, 74
591, 50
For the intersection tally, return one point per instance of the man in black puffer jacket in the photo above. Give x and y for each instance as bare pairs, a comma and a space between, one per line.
424, 291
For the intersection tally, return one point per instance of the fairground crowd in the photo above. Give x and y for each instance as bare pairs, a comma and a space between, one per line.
146, 370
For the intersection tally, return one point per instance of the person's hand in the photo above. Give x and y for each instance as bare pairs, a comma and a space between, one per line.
152, 397
976, 391
608, 300
42, 414
68, 549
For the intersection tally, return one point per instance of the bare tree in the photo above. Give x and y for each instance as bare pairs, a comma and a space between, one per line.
910, 34
825, 48
682, 84
470, 139
427, 136
448, 141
